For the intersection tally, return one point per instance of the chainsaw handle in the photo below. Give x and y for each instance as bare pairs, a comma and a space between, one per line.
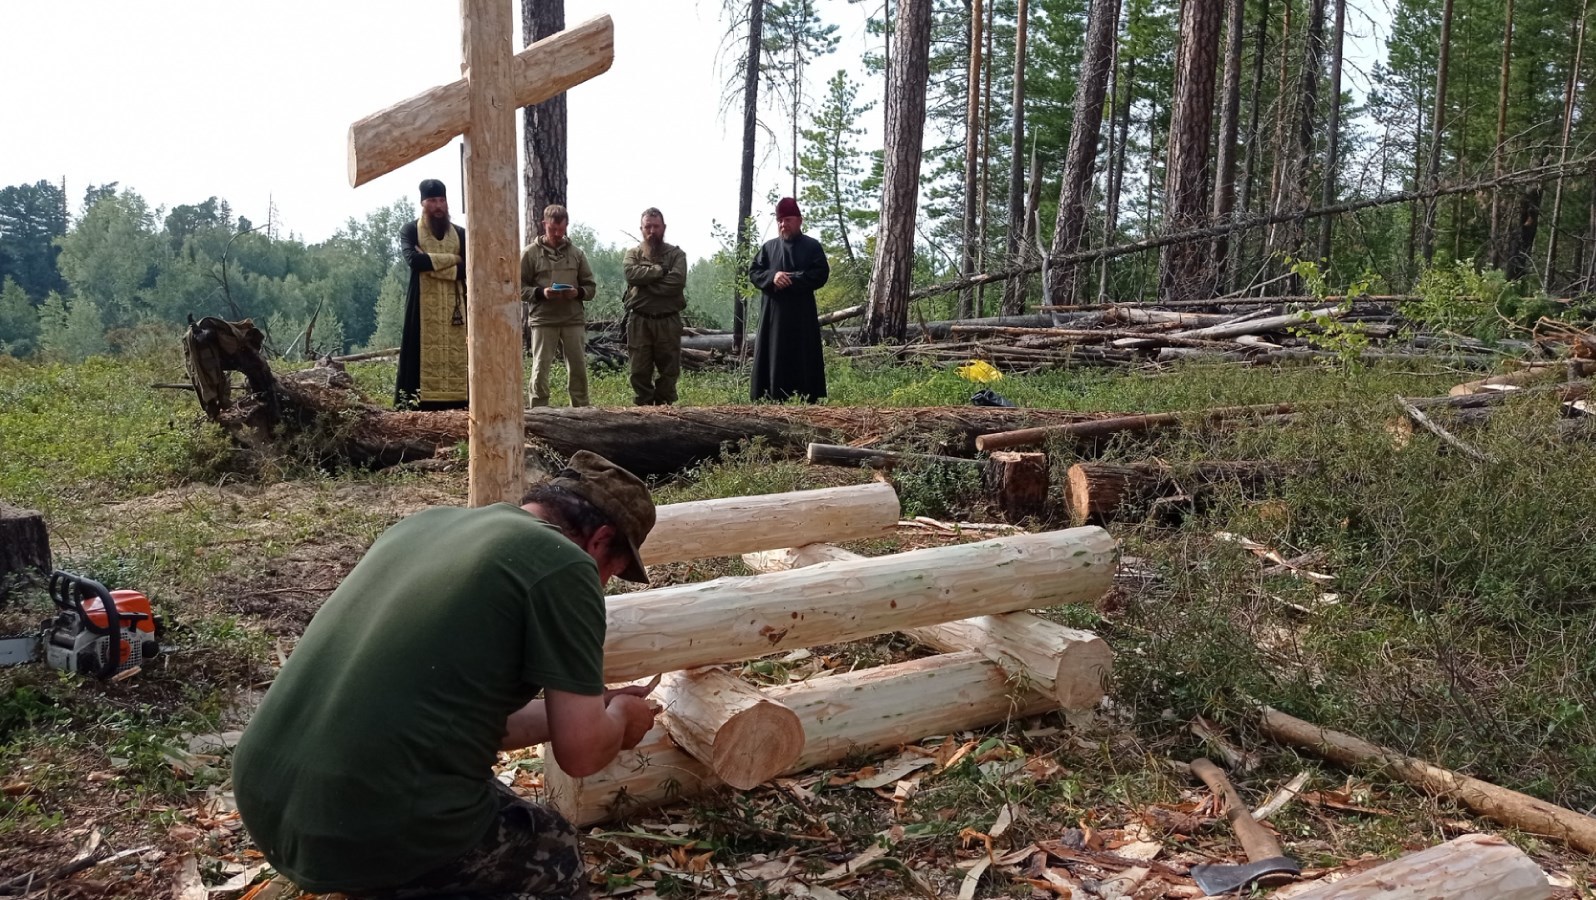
1255, 838
68, 590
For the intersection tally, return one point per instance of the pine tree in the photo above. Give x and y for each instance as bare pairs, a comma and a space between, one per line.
831, 168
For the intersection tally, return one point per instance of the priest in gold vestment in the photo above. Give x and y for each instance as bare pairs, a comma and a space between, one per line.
432, 353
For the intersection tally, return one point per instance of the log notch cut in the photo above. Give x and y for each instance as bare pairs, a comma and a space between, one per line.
1016, 483
730, 726
865, 711
735, 525
1068, 665
1471, 867
734, 619
1097, 492
24, 547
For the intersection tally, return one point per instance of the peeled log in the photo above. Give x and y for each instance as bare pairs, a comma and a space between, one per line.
729, 725
736, 525
1068, 665
1489, 800
1097, 491
865, 711
733, 619
410, 129
1471, 867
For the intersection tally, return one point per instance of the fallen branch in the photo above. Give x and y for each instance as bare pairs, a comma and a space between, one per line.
1492, 801
1418, 416
1102, 428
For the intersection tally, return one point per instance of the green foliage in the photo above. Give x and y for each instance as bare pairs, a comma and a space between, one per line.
19, 321
1482, 304
1345, 340
32, 217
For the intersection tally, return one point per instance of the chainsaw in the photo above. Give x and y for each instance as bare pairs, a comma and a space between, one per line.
94, 631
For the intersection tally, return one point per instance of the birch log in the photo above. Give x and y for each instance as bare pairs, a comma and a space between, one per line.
1492, 801
1068, 665
865, 711
1471, 867
736, 525
733, 619
410, 129
730, 725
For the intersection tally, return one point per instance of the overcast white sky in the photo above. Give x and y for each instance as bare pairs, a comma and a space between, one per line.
183, 99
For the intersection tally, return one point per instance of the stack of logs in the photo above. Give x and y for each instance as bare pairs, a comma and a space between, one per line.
967, 600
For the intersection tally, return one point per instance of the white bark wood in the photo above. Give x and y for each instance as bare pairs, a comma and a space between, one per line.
730, 725
733, 619
736, 525
1069, 665
1471, 867
410, 129
1492, 801
493, 302
866, 711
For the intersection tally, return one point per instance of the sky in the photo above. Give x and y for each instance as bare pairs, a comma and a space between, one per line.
181, 100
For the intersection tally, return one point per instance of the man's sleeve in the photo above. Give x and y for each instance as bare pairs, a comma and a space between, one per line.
414, 258
529, 276
638, 272
759, 271
460, 273
817, 270
565, 631
675, 277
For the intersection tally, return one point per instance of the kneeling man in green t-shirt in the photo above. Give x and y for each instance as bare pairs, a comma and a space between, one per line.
368, 768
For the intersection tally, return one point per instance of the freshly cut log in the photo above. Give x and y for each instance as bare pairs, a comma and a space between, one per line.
853, 457
1237, 326
1471, 867
1565, 393
1069, 665
1102, 428
729, 725
1017, 483
1567, 369
864, 711
1489, 800
1099, 491
1131, 315
24, 546
735, 525
734, 619
409, 130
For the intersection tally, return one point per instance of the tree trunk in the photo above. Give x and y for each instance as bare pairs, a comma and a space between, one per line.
1102, 428
1229, 113
1332, 133
972, 146
730, 726
24, 547
1301, 160
1250, 158
1185, 273
892, 272
745, 184
735, 619
729, 526
1014, 289
1562, 152
1521, 237
1100, 492
1499, 148
1472, 867
1081, 157
544, 136
1017, 484
1280, 165
984, 206
1116, 167
1433, 168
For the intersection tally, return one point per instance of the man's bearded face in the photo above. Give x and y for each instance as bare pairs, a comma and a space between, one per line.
436, 209
653, 232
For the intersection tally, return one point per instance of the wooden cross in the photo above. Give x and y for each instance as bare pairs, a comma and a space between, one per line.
482, 106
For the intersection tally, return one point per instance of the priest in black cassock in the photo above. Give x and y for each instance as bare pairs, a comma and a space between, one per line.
432, 350
788, 270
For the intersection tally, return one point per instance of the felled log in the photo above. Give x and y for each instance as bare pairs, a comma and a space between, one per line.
1471, 867
1099, 491
935, 331
854, 457
734, 619
24, 546
1067, 664
864, 711
1101, 428
730, 526
1489, 800
1569, 369
729, 725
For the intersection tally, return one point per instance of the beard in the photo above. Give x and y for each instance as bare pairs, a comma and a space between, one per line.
653, 242
438, 224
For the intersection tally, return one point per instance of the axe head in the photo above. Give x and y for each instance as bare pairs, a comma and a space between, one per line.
1224, 878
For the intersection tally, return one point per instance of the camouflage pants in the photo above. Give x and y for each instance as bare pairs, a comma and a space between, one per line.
530, 853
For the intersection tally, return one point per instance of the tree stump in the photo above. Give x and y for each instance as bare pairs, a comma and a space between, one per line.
1017, 483
24, 547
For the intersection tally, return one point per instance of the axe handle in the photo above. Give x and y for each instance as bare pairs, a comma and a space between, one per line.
1254, 837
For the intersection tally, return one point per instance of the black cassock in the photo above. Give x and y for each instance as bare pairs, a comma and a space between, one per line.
787, 357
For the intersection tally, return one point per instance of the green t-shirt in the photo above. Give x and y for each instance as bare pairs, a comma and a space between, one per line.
368, 763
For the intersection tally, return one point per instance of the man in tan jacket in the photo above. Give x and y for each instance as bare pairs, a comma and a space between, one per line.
555, 283
656, 276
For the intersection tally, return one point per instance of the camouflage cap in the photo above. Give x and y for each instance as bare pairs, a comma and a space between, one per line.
619, 495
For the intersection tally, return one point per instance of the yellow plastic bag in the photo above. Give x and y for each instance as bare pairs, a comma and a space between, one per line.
979, 370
